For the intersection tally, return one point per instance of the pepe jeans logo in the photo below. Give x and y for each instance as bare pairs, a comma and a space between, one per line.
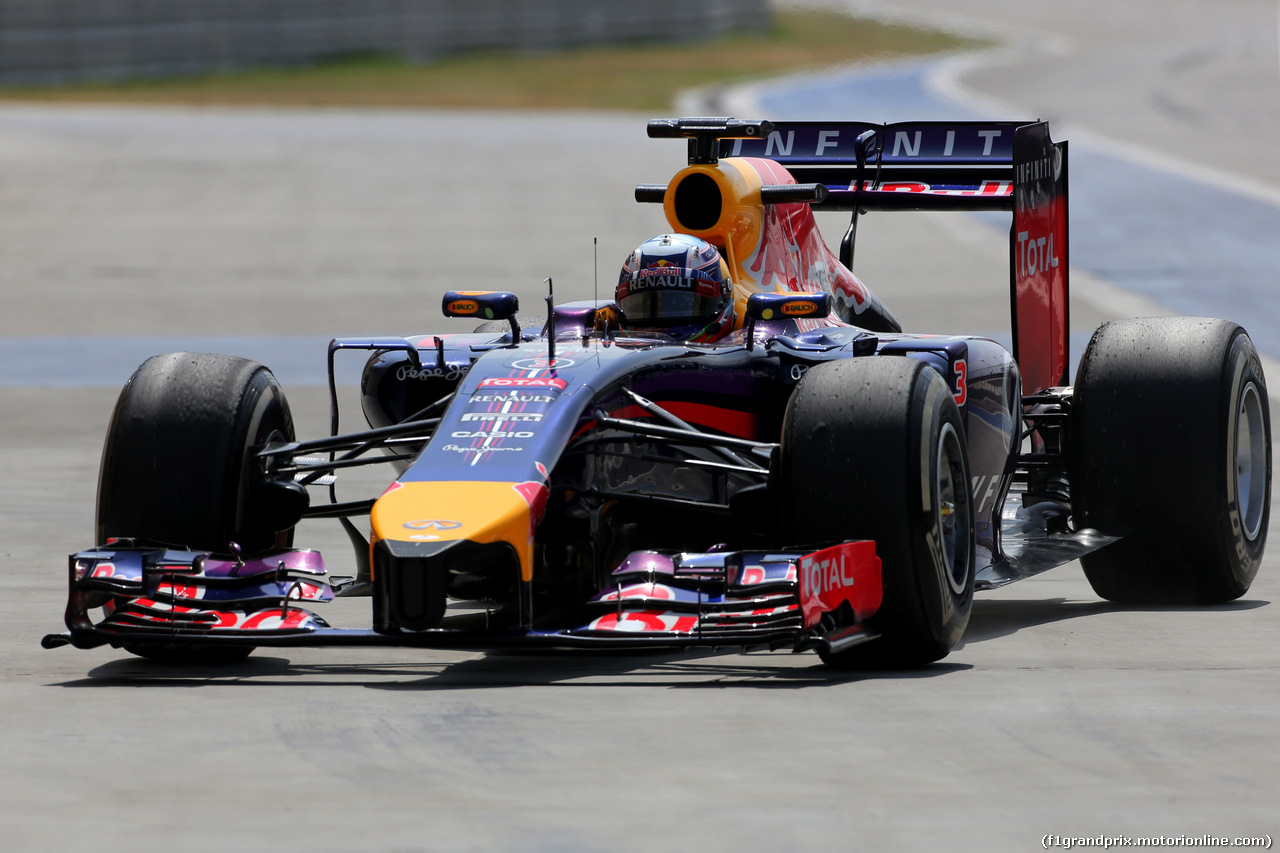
433, 524
450, 372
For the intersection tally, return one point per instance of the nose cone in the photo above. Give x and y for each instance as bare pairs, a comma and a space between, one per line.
475, 511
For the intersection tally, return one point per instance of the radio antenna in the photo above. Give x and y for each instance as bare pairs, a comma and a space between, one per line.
595, 261
551, 321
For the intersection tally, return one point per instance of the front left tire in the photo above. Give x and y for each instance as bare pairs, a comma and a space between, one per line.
874, 448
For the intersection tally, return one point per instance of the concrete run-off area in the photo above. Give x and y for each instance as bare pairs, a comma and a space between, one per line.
1059, 716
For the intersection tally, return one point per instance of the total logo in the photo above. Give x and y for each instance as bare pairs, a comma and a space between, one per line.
1033, 255
546, 382
826, 575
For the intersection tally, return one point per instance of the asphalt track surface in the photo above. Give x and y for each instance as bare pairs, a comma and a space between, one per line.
267, 233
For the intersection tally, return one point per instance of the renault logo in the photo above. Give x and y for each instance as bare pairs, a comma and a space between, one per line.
433, 524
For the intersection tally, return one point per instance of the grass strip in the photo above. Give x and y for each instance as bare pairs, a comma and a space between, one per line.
633, 76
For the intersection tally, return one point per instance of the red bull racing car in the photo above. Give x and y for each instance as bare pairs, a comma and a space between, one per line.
743, 448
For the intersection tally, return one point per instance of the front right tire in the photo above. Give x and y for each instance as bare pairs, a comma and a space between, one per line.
178, 468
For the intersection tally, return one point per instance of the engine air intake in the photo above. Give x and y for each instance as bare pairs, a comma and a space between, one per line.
698, 202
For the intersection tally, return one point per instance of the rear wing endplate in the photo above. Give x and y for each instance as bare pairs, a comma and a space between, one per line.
967, 166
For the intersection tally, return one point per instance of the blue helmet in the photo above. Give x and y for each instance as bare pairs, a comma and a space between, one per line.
677, 285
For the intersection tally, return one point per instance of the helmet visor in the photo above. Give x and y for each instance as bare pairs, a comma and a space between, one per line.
664, 309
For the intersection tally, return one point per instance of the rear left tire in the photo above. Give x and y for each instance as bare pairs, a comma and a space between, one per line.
1172, 447
874, 448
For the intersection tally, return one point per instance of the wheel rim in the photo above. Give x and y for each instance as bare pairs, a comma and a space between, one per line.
953, 509
1251, 461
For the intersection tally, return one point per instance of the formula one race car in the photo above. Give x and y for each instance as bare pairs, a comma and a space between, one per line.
742, 449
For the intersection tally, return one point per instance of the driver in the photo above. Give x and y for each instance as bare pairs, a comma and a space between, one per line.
677, 285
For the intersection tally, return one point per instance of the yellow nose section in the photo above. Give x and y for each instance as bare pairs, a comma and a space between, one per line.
480, 512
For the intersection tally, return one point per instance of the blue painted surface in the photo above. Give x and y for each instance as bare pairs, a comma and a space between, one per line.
1195, 248
108, 362
885, 93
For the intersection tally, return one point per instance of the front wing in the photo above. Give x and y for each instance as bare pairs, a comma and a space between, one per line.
818, 600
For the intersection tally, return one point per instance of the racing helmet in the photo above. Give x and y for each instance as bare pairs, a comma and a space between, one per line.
677, 285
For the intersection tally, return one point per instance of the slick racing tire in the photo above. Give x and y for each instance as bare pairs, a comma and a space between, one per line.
178, 468
1172, 449
874, 448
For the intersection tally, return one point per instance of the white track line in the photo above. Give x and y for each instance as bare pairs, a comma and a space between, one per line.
1014, 43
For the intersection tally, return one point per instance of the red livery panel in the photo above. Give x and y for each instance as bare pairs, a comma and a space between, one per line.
848, 573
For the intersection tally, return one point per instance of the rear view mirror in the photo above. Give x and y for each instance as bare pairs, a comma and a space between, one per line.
484, 304
783, 306
787, 306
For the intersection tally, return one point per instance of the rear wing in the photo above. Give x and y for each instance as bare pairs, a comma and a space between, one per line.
967, 166
906, 166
